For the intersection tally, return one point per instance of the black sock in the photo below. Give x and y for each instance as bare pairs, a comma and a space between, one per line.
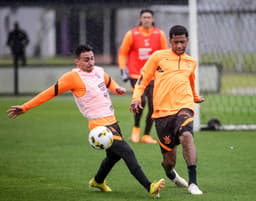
171, 175
192, 174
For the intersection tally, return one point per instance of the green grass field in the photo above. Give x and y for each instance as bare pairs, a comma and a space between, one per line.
45, 156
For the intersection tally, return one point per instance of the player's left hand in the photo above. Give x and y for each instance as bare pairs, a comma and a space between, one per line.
200, 100
135, 106
15, 111
120, 90
125, 75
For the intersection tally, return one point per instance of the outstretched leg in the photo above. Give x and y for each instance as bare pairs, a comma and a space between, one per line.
185, 119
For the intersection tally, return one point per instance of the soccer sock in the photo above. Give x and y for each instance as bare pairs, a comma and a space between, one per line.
137, 118
192, 174
169, 172
148, 125
138, 115
171, 175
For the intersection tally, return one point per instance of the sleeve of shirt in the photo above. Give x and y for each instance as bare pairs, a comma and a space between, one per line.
147, 73
110, 83
192, 84
163, 41
64, 84
124, 50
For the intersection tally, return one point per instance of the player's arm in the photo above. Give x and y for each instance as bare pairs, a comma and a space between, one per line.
123, 55
124, 50
147, 73
64, 84
112, 85
197, 98
163, 41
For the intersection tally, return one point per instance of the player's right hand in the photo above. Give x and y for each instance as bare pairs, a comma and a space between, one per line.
120, 90
125, 75
135, 106
15, 111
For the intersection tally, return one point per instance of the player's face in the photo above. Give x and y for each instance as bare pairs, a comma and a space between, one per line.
179, 44
146, 20
86, 61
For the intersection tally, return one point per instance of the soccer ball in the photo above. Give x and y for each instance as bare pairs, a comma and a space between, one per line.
100, 138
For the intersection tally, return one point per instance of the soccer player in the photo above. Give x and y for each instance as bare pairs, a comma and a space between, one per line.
173, 97
89, 85
138, 44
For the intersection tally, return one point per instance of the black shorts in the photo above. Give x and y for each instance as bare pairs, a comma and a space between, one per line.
116, 131
169, 128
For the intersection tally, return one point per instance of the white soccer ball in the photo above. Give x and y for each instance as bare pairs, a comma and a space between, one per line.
100, 138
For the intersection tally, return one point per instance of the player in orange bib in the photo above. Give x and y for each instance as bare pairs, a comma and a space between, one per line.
89, 85
174, 97
138, 44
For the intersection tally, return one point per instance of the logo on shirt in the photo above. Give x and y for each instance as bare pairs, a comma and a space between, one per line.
146, 42
167, 140
105, 94
111, 108
159, 69
144, 53
102, 86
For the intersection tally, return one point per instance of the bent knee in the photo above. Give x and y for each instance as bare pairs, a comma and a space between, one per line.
187, 134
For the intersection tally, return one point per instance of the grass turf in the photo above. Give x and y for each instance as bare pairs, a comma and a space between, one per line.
45, 155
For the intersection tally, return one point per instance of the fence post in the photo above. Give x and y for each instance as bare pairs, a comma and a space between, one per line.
194, 54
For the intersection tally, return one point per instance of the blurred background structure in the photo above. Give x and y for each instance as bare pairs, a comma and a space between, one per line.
226, 44
56, 27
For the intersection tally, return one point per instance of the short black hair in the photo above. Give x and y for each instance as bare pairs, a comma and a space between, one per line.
178, 30
146, 11
83, 48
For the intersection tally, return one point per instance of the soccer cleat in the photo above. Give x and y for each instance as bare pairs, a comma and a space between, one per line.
194, 190
148, 139
103, 187
179, 181
156, 187
135, 136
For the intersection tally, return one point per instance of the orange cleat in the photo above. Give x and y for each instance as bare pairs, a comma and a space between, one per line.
135, 136
148, 139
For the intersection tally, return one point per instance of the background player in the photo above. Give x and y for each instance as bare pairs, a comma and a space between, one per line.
138, 44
